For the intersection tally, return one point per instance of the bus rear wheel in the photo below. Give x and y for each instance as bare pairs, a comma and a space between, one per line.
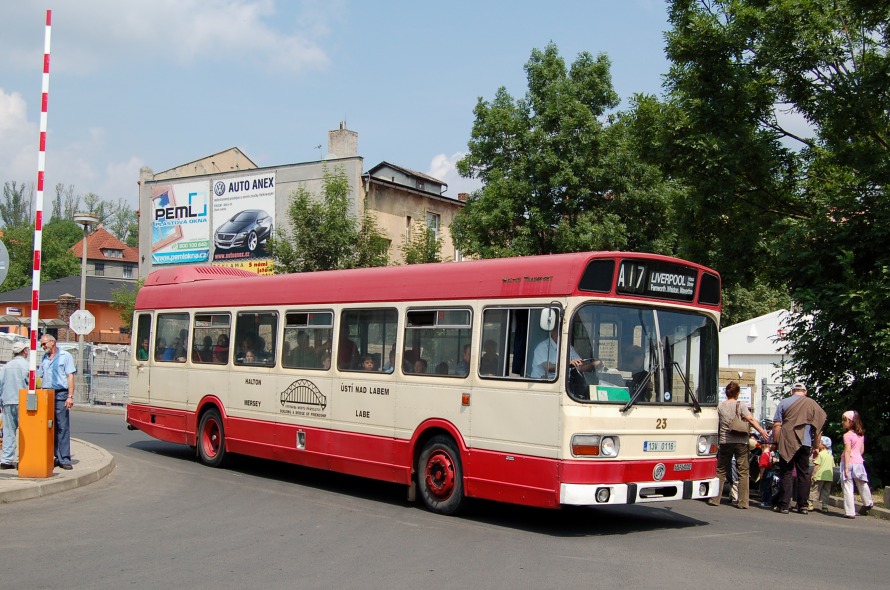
211, 439
440, 476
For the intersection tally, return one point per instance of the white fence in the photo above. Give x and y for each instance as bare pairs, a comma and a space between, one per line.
104, 380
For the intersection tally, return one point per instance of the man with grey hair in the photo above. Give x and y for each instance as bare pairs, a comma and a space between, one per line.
57, 370
13, 378
797, 423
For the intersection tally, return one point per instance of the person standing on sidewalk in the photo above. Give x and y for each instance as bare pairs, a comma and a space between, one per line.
823, 475
733, 445
853, 465
797, 424
57, 371
14, 378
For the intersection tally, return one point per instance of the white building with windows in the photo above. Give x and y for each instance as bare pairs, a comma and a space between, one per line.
758, 344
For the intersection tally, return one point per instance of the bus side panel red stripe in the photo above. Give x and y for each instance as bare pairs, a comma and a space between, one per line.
517, 479
163, 424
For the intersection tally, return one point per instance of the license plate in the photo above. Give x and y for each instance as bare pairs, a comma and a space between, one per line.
659, 446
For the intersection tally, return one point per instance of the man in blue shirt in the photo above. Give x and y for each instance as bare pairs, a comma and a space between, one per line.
14, 378
57, 371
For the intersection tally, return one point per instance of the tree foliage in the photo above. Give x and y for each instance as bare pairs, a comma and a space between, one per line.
324, 234
16, 207
805, 209
124, 301
559, 174
57, 260
422, 246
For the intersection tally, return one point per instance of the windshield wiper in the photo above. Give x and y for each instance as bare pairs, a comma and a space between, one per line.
687, 389
639, 390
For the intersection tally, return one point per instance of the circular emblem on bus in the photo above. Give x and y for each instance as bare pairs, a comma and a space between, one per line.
219, 188
667, 396
658, 472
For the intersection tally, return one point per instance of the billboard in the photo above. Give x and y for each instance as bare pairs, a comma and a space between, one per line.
243, 219
180, 224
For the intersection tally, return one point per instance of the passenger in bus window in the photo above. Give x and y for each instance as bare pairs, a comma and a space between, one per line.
463, 365
420, 366
546, 355
303, 355
180, 353
409, 357
442, 368
326, 361
221, 350
142, 351
490, 362
170, 351
390, 365
368, 363
248, 344
160, 348
250, 358
347, 353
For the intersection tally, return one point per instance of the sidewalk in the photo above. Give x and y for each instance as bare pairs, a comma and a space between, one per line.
91, 463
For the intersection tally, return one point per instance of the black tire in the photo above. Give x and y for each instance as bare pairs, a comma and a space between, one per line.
211, 439
440, 476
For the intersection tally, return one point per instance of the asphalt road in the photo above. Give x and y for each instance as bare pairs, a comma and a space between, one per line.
160, 519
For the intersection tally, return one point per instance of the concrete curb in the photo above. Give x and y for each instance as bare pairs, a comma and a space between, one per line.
97, 462
876, 511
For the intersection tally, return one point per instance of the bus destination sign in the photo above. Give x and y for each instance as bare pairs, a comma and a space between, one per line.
656, 279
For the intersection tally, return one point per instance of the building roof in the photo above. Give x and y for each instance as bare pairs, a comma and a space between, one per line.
99, 290
407, 171
101, 240
234, 150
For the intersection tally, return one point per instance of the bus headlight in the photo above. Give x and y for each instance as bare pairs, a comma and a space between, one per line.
707, 444
609, 446
594, 445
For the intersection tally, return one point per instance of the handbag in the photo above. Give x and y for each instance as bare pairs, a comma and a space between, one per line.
739, 425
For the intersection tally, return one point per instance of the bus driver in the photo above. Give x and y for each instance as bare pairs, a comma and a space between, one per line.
544, 360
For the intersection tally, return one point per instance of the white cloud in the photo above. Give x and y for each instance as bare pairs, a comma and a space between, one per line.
445, 169
18, 139
89, 35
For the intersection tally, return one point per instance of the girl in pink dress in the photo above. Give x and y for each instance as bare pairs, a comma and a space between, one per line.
853, 465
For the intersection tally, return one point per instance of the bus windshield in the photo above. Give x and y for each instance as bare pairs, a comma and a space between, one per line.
643, 355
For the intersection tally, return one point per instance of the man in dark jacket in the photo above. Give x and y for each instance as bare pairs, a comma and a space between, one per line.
797, 423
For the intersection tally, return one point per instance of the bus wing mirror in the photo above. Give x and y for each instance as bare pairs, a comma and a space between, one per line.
549, 318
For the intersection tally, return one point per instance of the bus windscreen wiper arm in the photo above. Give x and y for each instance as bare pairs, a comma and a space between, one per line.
688, 389
639, 390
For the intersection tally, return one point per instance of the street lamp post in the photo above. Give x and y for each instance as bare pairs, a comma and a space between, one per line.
87, 220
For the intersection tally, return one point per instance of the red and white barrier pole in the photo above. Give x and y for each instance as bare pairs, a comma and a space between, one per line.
38, 219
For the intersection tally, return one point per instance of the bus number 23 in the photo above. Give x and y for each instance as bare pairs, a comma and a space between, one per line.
661, 423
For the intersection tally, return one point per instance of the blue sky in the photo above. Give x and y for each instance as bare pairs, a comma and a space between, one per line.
162, 82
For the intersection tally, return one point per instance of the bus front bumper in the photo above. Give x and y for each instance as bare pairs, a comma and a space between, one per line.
636, 493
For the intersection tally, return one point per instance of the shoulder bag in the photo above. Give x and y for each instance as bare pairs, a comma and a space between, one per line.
739, 425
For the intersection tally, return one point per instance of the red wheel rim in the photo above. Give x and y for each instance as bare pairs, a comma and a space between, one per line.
440, 474
210, 438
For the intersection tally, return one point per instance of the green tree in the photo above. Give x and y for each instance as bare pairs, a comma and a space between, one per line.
811, 207
122, 220
124, 300
559, 174
17, 206
422, 246
57, 260
324, 234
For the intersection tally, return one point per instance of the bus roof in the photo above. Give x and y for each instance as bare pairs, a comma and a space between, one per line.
555, 275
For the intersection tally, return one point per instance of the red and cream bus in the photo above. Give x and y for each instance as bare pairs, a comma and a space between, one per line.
570, 379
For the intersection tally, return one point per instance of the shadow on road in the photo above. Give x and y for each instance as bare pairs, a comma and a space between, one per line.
570, 521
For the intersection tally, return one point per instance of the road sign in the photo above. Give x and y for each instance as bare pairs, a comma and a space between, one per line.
82, 322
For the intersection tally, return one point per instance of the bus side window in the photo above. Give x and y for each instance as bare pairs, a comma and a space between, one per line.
255, 337
511, 337
210, 345
365, 332
437, 342
143, 337
171, 340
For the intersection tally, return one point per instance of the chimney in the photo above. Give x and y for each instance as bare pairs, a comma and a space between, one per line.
463, 197
342, 143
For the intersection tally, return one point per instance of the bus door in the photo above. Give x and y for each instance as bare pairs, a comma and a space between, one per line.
515, 405
169, 374
139, 389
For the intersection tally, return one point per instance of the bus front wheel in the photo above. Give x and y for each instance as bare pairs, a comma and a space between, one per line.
440, 476
211, 439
